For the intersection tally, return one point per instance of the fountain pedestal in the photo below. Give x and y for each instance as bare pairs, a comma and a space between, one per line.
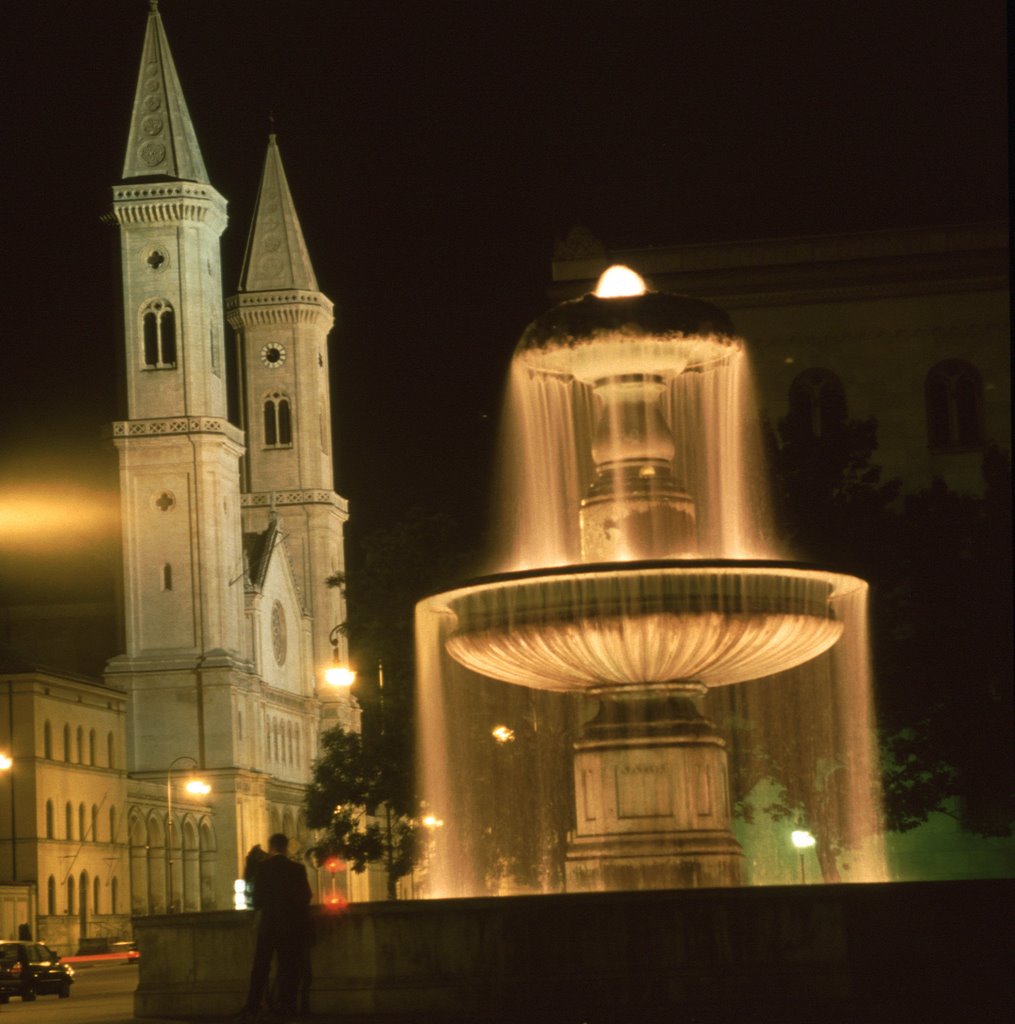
652, 800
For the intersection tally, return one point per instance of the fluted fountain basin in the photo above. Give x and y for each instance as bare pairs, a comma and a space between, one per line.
638, 624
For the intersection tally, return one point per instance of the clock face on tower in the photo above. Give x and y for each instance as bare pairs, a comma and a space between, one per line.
273, 355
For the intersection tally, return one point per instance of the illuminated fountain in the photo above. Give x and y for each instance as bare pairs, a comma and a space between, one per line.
639, 581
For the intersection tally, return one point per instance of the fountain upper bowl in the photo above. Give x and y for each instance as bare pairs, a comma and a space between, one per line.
592, 338
677, 623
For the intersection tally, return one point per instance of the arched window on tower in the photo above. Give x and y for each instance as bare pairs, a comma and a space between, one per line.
817, 402
278, 432
954, 397
50, 826
51, 896
47, 741
158, 329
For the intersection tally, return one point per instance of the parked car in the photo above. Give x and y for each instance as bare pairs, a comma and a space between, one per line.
28, 969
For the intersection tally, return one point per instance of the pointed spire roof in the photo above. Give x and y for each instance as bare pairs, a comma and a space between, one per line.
162, 140
276, 256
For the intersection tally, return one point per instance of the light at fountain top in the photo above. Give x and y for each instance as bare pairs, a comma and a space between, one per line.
618, 282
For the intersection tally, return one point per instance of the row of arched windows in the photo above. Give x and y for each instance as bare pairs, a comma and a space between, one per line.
77, 896
87, 830
953, 396
77, 748
171, 868
283, 742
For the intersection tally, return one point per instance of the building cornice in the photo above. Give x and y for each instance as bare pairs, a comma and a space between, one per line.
808, 269
287, 306
168, 202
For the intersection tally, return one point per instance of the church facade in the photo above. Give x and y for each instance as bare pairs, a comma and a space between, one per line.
229, 535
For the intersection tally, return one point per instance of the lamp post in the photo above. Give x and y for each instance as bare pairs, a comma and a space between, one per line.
342, 676
7, 765
198, 787
802, 840
338, 673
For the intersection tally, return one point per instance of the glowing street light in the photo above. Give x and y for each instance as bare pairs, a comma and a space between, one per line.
6, 764
802, 840
340, 675
337, 673
502, 734
194, 785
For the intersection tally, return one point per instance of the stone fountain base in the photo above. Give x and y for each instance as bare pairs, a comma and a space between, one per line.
652, 800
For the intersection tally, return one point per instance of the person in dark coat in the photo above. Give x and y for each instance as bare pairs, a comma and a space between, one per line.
282, 897
254, 857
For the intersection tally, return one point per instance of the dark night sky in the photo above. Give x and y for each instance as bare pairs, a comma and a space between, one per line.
436, 151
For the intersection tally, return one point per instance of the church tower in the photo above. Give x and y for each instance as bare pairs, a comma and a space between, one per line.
227, 612
282, 321
178, 454
186, 659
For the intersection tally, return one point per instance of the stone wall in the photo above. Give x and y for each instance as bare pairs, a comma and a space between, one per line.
865, 952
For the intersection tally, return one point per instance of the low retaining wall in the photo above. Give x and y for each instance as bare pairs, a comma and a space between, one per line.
852, 953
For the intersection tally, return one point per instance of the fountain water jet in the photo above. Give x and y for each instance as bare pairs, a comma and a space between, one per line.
643, 585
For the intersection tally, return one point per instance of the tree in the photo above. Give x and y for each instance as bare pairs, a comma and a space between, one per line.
940, 569
373, 773
353, 802
945, 660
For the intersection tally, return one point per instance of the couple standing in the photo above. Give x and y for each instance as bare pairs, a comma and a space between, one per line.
281, 893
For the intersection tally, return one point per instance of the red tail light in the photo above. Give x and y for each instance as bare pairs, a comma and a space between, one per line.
16, 968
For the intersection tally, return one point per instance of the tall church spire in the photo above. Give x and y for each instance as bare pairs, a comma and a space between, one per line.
276, 256
162, 141
282, 321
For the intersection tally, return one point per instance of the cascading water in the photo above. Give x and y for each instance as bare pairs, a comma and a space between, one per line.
639, 584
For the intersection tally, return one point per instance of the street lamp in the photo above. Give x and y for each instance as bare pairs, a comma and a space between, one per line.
7, 765
802, 840
337, 673
342, 676
195, 786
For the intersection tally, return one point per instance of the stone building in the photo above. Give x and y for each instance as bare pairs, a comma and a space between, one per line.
908, 326
229, 534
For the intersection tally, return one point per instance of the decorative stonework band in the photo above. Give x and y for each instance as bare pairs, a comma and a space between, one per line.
265, 499
177, 425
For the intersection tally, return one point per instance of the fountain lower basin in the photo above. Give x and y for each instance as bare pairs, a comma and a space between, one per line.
630, 626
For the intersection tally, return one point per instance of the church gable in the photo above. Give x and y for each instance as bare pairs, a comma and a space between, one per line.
281, 625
